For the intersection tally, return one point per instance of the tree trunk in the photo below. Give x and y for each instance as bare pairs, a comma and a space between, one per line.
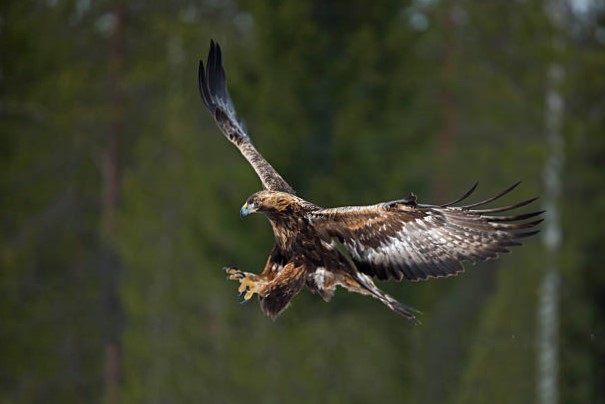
111, 186
548, 304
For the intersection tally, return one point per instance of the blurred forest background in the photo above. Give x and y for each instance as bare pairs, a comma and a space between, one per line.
120, 198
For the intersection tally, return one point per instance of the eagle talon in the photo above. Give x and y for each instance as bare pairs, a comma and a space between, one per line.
248, 282
234, 273
242, 289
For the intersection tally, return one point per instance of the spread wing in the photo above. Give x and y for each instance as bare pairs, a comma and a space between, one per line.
403, 239
214, 92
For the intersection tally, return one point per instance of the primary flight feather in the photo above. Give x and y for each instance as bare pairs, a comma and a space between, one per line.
395, 240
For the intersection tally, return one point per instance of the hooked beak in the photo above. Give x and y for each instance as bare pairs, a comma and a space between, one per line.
246, 210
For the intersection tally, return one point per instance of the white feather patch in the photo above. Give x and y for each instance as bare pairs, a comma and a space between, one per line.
320, 277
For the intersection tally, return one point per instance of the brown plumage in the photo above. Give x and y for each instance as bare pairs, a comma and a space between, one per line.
348, 246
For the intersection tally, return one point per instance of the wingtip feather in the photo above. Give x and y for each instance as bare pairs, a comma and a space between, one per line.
493, 198
505, 208
526, 234
201, 79
463, 197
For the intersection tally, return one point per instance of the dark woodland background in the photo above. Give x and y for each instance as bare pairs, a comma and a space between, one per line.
120, 197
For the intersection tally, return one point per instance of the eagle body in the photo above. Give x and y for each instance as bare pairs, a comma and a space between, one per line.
323, 248
300, 256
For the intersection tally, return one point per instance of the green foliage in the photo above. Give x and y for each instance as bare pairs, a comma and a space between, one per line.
50, 332
353, 104
583, 315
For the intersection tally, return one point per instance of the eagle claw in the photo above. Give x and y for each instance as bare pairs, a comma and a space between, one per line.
234, 273
248, 282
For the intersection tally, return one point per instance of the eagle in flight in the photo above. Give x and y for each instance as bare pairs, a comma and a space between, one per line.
349, 246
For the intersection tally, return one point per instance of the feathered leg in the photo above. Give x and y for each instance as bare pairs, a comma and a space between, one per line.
276, 294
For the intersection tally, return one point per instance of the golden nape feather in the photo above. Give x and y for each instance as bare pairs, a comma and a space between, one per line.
395, 240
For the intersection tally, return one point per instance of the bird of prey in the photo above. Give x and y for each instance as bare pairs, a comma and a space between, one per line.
349, 246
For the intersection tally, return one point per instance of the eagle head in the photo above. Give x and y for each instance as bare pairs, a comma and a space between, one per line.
272, 204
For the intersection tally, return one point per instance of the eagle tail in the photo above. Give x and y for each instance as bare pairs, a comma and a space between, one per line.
403, 310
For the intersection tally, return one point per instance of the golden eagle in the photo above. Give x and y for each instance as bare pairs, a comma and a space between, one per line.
348, 246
